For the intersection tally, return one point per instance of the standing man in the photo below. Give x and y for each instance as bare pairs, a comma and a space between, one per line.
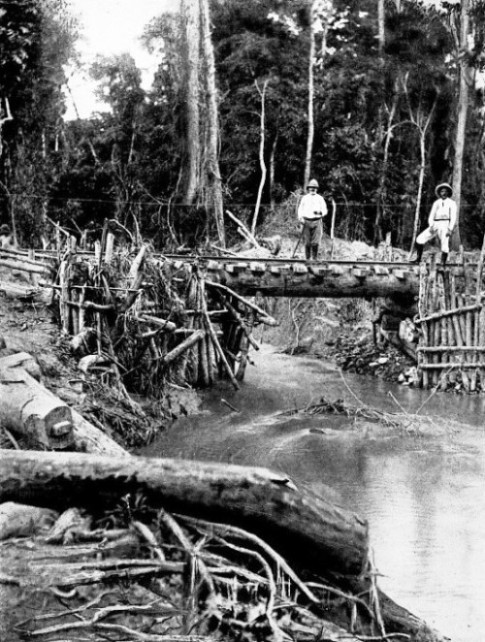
441, 222
311, 211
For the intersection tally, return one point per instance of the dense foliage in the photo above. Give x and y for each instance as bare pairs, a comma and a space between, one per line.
36, 41
376, 100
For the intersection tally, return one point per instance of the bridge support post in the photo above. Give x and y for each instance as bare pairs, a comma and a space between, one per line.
451, 318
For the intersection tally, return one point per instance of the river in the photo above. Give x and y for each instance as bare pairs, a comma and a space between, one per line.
422, 491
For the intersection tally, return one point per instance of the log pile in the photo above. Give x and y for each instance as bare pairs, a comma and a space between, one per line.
451, 319
141, 320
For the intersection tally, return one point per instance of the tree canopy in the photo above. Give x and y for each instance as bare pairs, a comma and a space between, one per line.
385, 113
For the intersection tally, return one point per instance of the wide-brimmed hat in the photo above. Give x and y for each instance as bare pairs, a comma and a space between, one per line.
441, 186
4, 229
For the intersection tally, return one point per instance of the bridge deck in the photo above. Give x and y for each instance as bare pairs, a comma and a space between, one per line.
283, 277
280, 277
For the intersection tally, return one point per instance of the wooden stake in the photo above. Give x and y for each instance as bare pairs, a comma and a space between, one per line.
422, 358
196, 336
264, 316
216, 343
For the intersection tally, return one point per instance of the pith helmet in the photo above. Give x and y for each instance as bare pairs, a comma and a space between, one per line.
313, 183
441, 186
4, 229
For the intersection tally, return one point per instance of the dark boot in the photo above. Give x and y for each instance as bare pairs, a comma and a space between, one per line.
308, 252
419, 253
444, 258
314, 252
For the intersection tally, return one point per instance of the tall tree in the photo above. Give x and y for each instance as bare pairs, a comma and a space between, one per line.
464, 79
211, 170
190, 12
311, 91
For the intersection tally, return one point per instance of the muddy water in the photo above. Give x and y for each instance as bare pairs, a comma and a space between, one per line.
423, 492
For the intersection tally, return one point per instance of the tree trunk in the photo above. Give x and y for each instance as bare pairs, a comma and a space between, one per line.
307, 530
27, 408
381, 31
422, 167
460, 133
89, 439
310, 133
262, 164
191, 16
381, 190
22, 520
213, 175
272, 159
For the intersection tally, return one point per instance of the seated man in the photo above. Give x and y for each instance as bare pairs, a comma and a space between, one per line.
6, 237
441, 223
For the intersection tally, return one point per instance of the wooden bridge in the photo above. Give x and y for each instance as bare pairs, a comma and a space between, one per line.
444, 304
311, 279
275, 277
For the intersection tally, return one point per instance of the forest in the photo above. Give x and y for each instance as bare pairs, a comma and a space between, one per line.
379, 101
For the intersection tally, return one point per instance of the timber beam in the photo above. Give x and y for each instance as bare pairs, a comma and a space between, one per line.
324, 279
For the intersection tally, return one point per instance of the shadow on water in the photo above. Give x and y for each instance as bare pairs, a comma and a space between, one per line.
423, 494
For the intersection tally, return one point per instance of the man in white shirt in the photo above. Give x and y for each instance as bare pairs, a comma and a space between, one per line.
6, 237
311, 211
441, 222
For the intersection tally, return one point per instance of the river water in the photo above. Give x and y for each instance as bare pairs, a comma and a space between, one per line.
422, 491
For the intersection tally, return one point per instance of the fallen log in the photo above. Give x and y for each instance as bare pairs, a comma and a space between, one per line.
15, 291
22, 520
20, 360
29, 409
90, 439
31, 267
307, 530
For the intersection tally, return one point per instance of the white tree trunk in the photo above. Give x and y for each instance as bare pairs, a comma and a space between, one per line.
212, 172
311, 126
462, 109
381, 32
262, 164
191, 17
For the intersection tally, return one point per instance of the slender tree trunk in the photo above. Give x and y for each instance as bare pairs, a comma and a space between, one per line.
5, 116
381, 193
214, 183
460, 133
272, 172
381, 33
191, 17
311, 91
262, 164
422, 167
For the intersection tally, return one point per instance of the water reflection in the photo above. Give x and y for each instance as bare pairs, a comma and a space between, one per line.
422, 495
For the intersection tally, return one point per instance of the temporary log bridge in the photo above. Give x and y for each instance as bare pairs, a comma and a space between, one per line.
451, 320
